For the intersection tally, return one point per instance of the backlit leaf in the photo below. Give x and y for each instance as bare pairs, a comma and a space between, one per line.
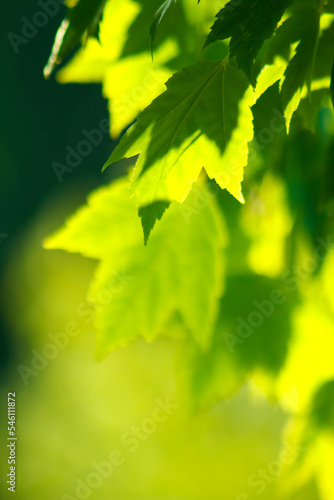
137, 289
202, 120
82, 18
299, 70
248, 24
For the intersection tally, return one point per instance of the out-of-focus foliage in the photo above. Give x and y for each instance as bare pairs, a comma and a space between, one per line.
121, 58
75, 411
182, 273
243, 291
83, 18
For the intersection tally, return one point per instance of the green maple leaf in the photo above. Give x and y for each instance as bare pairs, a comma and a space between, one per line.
202, 120
248, 24
137, 289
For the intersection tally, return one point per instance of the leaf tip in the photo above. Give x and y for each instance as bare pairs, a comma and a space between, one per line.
149, 214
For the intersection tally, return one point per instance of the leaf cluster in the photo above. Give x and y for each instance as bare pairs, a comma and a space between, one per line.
234, 102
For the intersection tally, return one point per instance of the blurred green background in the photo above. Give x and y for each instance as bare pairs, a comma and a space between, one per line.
38, 120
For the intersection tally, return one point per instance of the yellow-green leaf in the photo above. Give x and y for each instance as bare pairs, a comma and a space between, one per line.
202, 120
137, 289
